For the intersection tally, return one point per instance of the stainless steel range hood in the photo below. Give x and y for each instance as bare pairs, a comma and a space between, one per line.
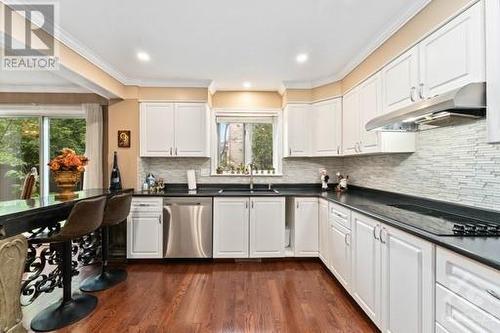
468, 102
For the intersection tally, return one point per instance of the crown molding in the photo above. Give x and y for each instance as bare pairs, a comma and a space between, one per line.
36, 88
170, 83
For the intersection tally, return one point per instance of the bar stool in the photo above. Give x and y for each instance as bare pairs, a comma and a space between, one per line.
85, 217
117, 210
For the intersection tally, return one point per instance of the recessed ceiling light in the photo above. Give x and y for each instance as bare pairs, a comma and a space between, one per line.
143, 56
247, 84
302, 58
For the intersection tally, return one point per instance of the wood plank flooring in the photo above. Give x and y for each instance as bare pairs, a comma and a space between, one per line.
267, 296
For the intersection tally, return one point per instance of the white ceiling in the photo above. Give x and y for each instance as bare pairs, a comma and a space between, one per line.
195, 42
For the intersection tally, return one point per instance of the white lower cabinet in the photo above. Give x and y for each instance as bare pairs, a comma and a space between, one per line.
392, 276
324, 242
366, 265
408, 277
249, 227
145, 229
267, 227
231, 223
306, 233
340, 253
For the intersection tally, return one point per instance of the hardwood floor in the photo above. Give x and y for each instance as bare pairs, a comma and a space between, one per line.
268, 296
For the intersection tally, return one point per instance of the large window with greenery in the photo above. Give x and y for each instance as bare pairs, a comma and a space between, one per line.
245, 140
28, 141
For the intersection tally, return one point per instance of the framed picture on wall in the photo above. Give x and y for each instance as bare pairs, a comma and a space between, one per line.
123, 139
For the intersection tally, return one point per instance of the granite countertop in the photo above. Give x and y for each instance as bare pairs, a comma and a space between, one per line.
375, 204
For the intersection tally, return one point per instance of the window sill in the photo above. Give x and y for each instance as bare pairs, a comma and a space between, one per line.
245, 176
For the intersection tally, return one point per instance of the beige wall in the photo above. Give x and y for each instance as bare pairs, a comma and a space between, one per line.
173, 94
246, 99
124, 115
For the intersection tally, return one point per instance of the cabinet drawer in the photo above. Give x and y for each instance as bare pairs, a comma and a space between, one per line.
457, 315
340, 215
146, 205
473, 281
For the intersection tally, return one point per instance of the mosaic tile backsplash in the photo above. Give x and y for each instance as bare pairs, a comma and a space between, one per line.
453, 164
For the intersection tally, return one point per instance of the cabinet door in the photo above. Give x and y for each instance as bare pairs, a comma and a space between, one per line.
144, 236
190, 129
370, 106
366, 265
455, 54
400, 81
407, 282
324, 229
267, 227
231, 217
340, 253
306, 227
350, 122
157, 129
327, 128
297, 130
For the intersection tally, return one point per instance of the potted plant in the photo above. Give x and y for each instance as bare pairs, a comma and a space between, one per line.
219, 170
67, 169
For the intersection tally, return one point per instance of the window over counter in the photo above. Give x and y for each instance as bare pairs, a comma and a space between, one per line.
246, 137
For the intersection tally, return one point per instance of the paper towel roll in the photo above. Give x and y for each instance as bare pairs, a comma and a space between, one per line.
191, 176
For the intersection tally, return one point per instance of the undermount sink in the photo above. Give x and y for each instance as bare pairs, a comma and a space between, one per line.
254, 191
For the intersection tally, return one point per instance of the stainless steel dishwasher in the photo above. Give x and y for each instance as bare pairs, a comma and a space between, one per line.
187, 227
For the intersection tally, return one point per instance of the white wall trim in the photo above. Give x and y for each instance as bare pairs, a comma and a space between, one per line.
47, 110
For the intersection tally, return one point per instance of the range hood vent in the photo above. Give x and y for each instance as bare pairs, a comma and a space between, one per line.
462, 104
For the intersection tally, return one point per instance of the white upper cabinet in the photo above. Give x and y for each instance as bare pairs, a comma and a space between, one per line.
449, 58
157, 129
350, 122
267, 227
190, 129
173, 130
400, 81
297, 130
370, 106
327, 128
454, 55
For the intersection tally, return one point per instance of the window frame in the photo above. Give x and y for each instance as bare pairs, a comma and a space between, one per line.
44, 113
277, 116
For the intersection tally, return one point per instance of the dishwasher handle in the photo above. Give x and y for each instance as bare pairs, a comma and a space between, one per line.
183, 204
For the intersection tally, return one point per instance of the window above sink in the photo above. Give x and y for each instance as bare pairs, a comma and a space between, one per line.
243, 138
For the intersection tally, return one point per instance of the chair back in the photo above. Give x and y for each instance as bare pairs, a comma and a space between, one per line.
117, 209
85, 217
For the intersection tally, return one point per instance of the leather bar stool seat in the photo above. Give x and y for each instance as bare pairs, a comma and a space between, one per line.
117, 211
85, 217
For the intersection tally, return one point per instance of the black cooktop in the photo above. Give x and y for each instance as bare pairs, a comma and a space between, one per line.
438, 222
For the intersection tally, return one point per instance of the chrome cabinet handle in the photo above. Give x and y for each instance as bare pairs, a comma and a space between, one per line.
297, 204
159, 219
170, 151
359, 146
382, 230
493, 294
421, 91
375, 232
338, 150
176, 151
412, 94
246, 204
289, 151
252, 203
347, 239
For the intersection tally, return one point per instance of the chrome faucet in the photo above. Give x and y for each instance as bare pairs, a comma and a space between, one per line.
251, 176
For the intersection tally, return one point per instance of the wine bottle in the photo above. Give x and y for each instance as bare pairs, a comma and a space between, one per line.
116, 180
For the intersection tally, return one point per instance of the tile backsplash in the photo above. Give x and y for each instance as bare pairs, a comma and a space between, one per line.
452, 164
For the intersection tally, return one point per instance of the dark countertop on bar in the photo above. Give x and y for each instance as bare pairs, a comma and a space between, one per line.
372, 203
18, 216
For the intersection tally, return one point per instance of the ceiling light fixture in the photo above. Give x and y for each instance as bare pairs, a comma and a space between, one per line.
302, 58
247, 84
143, 56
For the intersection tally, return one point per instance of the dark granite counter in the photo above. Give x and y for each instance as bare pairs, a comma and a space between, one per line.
18, 216
375, 204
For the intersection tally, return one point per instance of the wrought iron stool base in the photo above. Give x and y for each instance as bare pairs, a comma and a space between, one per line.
107, 279
64, 313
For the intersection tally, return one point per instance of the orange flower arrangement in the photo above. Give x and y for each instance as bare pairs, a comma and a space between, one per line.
68, 160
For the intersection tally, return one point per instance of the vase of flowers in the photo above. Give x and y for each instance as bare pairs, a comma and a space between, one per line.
67, 168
